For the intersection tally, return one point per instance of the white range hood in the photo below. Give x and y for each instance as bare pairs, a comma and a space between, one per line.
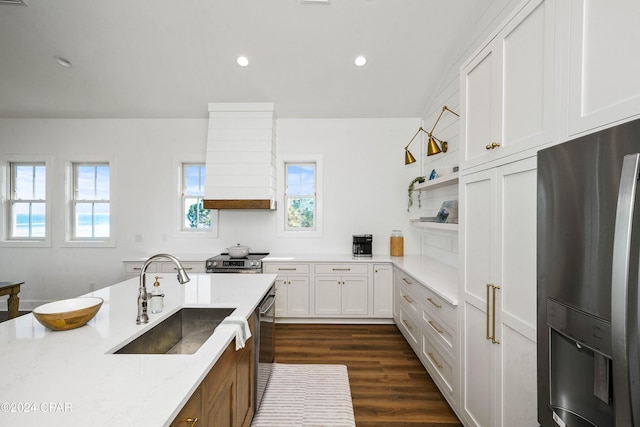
241, 156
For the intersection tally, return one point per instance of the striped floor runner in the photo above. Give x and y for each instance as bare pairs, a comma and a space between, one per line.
306, 395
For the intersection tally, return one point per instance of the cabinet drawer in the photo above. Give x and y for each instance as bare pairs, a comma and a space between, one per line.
409, 328
438, 331
346, 268
189, 267
440, 364
438, 307
286, 268
136, 267
409, 301
403, 279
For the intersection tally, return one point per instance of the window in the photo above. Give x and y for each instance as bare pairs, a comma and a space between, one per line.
90, 203
300, 196
27, 201
194, 216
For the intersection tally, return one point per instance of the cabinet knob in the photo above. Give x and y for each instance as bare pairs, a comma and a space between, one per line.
492, 146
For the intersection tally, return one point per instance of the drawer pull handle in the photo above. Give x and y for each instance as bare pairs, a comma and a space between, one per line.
407, 325
409, 300
287, 269
408, 282
185, 268
193, 421
434, 360
341, 269
492, 146
434, 303
435, 327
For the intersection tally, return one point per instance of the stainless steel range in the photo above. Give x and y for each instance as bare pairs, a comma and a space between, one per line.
224, 263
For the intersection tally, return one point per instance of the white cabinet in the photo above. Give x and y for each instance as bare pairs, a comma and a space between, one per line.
382, 290
603, 64
341, 290
293, 289
507, 88
498, 290
429, 324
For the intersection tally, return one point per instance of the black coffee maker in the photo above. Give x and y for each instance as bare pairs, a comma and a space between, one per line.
362, 245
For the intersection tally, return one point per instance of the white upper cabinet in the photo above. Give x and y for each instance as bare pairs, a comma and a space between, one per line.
604, 64
507, 88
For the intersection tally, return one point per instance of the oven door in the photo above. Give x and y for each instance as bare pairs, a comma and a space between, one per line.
265, 351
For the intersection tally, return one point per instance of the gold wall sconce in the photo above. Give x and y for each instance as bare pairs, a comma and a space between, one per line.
432, 146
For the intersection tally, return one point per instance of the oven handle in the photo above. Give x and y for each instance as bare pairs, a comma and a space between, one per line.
264, 311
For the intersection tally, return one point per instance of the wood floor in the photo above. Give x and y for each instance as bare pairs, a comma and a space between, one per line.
389, 385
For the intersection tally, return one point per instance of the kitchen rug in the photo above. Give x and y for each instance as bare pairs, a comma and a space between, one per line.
306, 395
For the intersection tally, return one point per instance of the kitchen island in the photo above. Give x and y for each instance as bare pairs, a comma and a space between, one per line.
72, 378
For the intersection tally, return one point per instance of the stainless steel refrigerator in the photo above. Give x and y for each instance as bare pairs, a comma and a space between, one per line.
588, 267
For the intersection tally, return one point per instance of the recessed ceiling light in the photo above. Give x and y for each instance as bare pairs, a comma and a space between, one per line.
64, 62
360, 61
242, 61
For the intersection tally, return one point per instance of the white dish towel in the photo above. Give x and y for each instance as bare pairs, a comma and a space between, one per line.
240, 328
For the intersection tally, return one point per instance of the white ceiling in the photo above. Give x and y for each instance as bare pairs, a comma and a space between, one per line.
169, 58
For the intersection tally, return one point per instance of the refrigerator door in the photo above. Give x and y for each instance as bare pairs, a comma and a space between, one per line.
624, 299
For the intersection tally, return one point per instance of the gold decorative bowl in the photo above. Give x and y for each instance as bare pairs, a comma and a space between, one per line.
68, 313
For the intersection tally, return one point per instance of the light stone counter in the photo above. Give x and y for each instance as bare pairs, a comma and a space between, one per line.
71, 378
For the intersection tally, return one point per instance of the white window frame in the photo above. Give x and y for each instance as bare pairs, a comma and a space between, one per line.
6, 240
97, 242
179, 231
283, 230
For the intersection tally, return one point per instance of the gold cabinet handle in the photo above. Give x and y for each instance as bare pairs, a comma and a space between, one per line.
434, 303
492, 146
493, 314
409, 300
193, 421
341, 269
492, 336
287, 268
434, 360
435, 327
407, 325
404, 279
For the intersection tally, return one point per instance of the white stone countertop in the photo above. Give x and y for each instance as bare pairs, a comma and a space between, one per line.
439, 277
71, 378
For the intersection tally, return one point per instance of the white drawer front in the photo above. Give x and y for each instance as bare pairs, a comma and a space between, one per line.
438, 307
438, 330
292, 268
189, 267
409, 301
440, 364
346, 268
136, 267
409, 328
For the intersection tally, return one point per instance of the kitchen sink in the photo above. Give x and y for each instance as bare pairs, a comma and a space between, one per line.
183, 332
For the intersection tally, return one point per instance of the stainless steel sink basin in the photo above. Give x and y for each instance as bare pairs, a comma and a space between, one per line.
183, 332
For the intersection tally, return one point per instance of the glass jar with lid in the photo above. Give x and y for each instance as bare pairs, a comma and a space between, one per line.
396, 243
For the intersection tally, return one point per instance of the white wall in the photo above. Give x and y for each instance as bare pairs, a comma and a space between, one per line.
364, 192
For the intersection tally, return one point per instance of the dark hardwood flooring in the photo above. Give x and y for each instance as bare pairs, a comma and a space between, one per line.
389, 385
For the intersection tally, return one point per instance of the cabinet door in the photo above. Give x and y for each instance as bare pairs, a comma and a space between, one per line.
481, 102
507, 88
281, 296
328, 295
298, 296
603, 65
477, 209
222, 405
516, 393
382, 290
244, 388
355, 295
190, 414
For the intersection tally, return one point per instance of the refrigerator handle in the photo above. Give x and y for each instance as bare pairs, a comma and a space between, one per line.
620, 290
